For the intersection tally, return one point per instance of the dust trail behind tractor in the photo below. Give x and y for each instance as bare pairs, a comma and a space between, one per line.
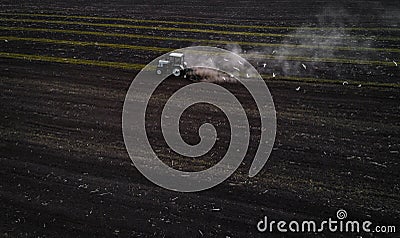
203, 74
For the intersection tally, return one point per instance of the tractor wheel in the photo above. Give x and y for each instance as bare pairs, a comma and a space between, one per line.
158, 71
176, 72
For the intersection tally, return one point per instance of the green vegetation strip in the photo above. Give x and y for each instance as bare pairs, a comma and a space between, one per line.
87, 43
129, 66
165, 50
193, 30
213, 42
325, 60
332, 81
118, 65
202, 24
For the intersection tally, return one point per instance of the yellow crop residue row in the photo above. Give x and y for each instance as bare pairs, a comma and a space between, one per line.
208, 42
164, 50
128, 66
119, 65
87, 43
194, 30
202, 24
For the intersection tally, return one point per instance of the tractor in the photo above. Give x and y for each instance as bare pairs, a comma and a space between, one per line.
174, 64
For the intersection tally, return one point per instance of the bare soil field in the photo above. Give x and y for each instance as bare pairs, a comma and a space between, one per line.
66, 67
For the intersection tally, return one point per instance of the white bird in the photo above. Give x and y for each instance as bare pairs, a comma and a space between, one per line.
395, 63
304, 66
264, 65
345, 83
273, 75
298, 88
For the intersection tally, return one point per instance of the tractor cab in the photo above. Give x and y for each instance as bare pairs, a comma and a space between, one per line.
174, 64
177, 59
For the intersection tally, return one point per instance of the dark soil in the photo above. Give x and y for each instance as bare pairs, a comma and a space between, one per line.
65, 172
